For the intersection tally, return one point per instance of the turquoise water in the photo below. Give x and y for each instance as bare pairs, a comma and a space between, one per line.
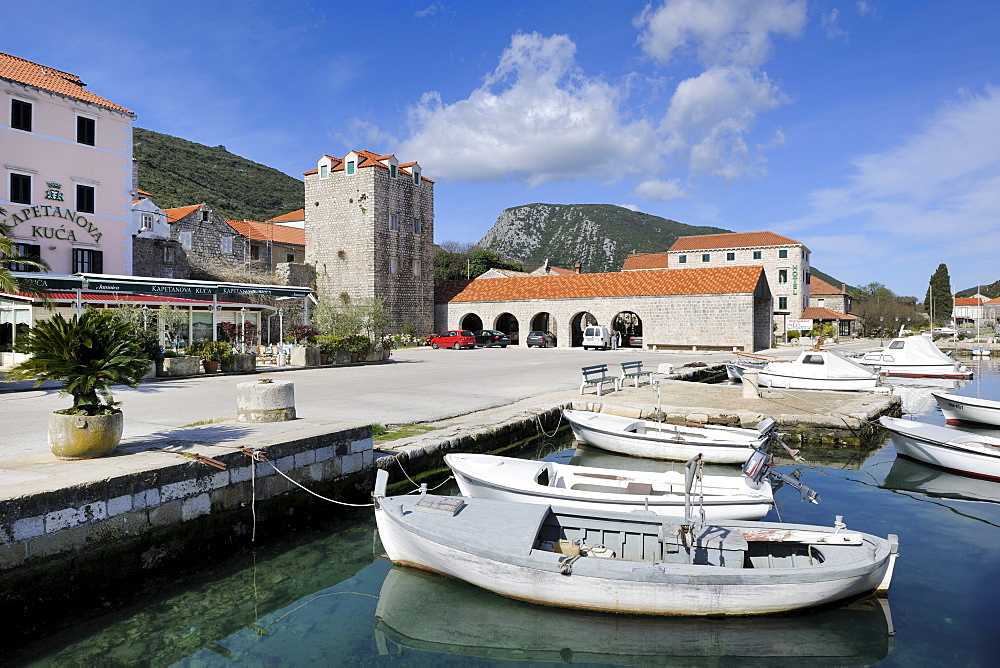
321, 598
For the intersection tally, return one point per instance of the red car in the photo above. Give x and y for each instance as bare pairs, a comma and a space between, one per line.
455, 338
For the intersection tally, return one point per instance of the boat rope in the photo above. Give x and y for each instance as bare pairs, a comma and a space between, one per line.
258, 456
541, 428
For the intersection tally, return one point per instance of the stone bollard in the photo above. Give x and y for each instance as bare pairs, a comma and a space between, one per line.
265, 401
751, 389
665, 368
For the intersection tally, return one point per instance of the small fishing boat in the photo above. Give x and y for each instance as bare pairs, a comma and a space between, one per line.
587, 488
818, 370
746, 361
914, 357
663, 440
635, 562
957, 409
981, 352
947, 447
457, 619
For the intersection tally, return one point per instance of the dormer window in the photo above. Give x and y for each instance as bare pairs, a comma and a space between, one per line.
393, 172
351, 166
416, 176
324, 171
204, 216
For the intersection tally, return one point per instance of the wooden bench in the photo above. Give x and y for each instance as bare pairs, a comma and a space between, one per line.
597, 375
633, 370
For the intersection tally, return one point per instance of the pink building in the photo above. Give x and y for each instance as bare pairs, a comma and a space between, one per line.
67, 163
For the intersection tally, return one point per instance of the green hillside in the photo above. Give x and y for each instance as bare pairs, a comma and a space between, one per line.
178, 172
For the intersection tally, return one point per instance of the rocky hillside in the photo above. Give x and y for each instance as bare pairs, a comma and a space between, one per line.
599, 236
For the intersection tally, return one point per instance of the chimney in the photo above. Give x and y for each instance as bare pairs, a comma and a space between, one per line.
843, 287
578, 267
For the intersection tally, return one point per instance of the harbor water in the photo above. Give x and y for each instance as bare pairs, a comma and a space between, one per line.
323, 598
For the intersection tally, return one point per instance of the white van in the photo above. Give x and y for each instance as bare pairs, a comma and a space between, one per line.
596, 336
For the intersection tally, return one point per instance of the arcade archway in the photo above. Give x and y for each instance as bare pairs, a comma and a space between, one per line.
471, 322
577, 325
628, 324
507, 323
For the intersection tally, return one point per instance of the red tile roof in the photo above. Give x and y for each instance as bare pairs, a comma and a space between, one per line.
820, 313
32, 74
638, 261
817, 286
173, 215
281, 234
731, 240
291, 216
968, 301
368, 159
710, 281
561, 272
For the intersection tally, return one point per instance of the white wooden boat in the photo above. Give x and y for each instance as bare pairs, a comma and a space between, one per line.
630, 562
424, 612
661, 440
583, 487
981, 352
818, 370
745, 361
915, 357
947, 447
956, 409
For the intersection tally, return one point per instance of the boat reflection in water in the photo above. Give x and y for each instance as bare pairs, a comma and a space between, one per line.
910, 476
427, 612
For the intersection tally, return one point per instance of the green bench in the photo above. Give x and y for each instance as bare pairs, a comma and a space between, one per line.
633, 370
597, 375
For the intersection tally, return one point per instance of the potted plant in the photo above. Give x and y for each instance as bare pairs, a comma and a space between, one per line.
213, 353
88, 354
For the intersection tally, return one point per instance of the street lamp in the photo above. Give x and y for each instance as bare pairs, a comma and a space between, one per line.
881, 330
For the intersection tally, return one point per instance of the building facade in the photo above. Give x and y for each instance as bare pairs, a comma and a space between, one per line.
369, 230
67, 170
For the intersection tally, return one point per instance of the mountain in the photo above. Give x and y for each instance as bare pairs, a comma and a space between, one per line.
599, 236
992, 290
178, 172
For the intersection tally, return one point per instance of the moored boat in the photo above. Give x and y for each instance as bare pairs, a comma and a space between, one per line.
662, 440
583, 487
947, 447
630, 562
818, 370
914, 357
956, 408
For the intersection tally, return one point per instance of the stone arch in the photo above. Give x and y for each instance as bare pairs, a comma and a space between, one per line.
470, 321
577, 324
628, 323
507, 323
545, 322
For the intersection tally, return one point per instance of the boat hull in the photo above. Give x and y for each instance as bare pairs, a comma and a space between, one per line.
667, 442
609, 585
945, 448
949, 372
767, 378
722, 497
967, 409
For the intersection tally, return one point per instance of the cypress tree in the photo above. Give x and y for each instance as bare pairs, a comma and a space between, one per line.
939, 295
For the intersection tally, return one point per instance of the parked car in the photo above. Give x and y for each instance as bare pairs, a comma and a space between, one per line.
635, 341
540, 339
596, 336
491, 337
454, 338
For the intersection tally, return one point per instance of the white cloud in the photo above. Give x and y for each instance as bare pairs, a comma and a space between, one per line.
709, 116
720, 32
831, 25
660, 191
536, 118
933, 198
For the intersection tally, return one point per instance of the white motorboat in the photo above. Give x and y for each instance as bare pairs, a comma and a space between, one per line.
966, 452
915, 357
956, 409
662, 440
455, 618
630, 562
587, 488
818, 370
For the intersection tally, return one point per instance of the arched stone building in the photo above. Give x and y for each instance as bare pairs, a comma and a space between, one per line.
724, 307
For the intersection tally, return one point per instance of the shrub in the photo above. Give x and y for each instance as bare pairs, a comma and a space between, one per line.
215, 351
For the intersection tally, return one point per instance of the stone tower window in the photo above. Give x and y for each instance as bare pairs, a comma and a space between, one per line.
394, 221
185, 239
393, 266
416, 267
416, 226
393, 172
351, 165
323, 171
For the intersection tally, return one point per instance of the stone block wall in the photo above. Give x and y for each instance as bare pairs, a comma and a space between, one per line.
206, 240
150, 258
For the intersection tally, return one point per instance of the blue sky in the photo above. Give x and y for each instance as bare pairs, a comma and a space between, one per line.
870, 131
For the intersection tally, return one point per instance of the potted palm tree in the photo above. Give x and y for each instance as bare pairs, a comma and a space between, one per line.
88, 354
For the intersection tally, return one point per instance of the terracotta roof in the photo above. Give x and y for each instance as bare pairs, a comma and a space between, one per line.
32, 74
368, 159
732, 240
281, 234
710, 281
145, 194
820, 313
173, 215
994, 301
638, 261
291, 216
817, 286
968, 301
561, 272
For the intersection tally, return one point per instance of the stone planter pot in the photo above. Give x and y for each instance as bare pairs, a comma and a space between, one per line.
304, 356
211, 366
386, 353
354, 356
240, 363
265, 402
151, 370
84, 436
324, 358
341, 356
185, 365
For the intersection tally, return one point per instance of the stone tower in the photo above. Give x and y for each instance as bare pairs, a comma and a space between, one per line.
369, 224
